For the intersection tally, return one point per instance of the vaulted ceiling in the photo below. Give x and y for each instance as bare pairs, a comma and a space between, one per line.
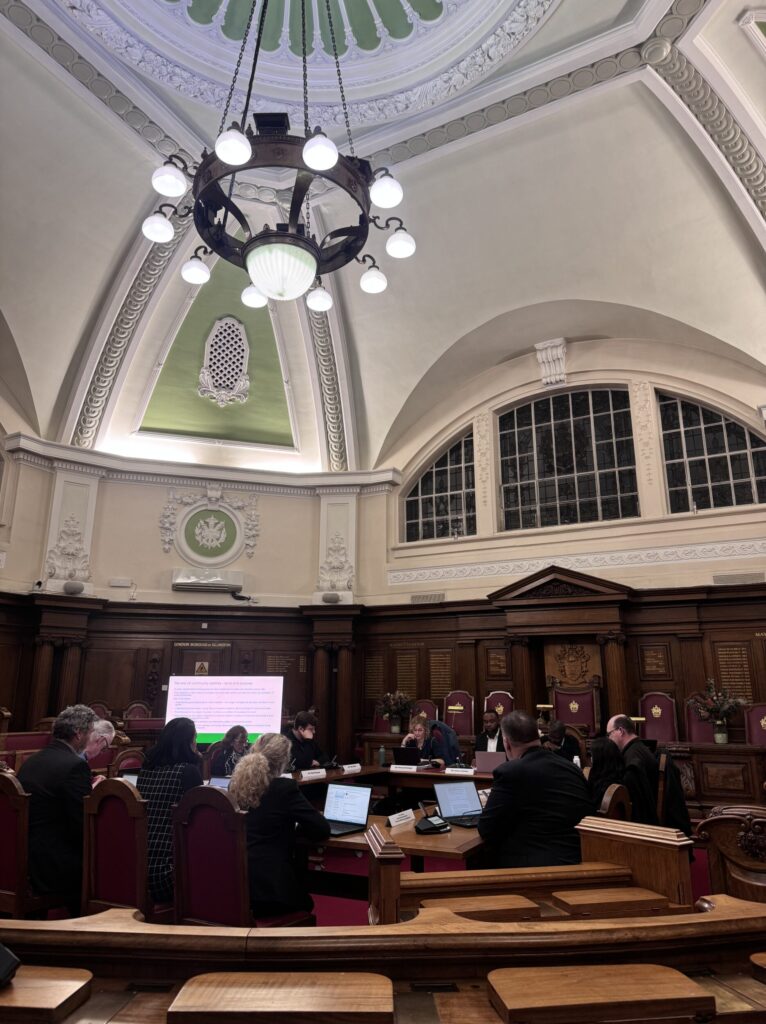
572, 168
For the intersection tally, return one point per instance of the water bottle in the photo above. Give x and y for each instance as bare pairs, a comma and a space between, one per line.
382, 756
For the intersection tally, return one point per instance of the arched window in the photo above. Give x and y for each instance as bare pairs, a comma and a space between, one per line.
443, 501
710, 461
568, 458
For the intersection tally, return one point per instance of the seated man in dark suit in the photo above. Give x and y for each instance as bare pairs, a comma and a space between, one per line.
490, 739
536, 800
560, 742
304, 749
58, 780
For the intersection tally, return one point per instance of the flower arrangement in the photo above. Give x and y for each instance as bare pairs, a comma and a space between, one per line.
714, 705
393, 705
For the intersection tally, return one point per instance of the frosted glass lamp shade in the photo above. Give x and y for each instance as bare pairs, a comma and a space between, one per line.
281, 270
194, 271
373, 281
170, 181
157, 228
233, 147
400, 245
253, 298
319, 299
386, 192
320, 153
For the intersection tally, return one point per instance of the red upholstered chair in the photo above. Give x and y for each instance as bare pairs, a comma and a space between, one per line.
25, 740
755, 724
458, 712
127, 757
101, 708
210, 862
16, 899
207, 759
137, 709
500, 701
659, 710
101, 764
5, 720
115, 854
698, 731
428, 707
580, 707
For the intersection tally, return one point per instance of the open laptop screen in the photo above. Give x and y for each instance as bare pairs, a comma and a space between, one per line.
220, 781
457, 799
347, 803
130, 776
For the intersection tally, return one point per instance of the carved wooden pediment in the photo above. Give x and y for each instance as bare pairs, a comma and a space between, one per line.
553, 583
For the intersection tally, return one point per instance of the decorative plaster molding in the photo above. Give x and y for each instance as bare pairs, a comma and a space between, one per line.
341, 489
223, 376
749, 22
209, 533
68, 559
481, 455
377, 489
336, 572
332, 406
551, 358
642, 403
585, 563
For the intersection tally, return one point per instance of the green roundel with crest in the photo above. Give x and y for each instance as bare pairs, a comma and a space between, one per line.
210, 533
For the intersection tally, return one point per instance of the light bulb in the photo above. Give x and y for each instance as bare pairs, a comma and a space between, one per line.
373, 281
253, 298
194, 271
400, 245
170, 181
319, 299
281, 270
320, 153
233, 147
386, 192
158, 228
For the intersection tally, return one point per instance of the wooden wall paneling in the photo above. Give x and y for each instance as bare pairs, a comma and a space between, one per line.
692, 675
443, 672
11, 655
109, 674
200, 658
467, 675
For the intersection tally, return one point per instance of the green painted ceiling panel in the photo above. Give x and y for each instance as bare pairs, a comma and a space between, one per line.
362, 25
176, 408
203, 11
394, 19
429, 10
235, 20
272, 29
337, 24
762, 26
296, 44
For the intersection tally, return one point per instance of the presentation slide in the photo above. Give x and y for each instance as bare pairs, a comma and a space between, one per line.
216, 703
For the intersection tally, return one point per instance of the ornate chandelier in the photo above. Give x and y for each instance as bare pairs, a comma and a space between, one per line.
286, 261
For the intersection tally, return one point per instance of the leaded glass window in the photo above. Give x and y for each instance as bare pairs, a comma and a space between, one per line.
443, 501
710, 461
568, 458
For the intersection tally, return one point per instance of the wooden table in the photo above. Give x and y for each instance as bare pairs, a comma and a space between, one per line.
458, 844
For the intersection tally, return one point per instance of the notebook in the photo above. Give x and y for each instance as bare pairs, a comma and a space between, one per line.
220, 781
346, 808
459, 803
409, 755
488, 760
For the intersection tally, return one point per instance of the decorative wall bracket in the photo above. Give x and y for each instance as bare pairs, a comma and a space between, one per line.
551, 357
336, 572
68, 559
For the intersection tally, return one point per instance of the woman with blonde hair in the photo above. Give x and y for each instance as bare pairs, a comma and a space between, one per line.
274, 805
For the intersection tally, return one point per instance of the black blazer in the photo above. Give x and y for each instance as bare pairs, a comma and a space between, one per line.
58, 780
535, 802
303, 752
642, 778
481, 742
271, 837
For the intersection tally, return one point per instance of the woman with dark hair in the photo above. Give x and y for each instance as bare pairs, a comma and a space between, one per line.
607, 768
171, 767
233, 747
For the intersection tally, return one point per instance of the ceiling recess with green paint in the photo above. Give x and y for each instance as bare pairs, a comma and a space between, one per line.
175, 406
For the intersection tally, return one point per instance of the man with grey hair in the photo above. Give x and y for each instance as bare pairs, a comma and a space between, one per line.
101, 737
537, 799
58, 780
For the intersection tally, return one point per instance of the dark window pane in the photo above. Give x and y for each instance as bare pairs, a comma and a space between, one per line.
610, 508
510, 471
568, 513
412, 509
524, 416
756, 442
564, 454
669, 416
743, 494
561, 407
469, 479
628, 484
456, 479
600, 401
580, 403
524, 441
759, 463
507, 445
602, 427
694, 444
428, 529
583, 446
719, 469
679, 501
586, 486
626, 455
511, 519
426, 508
528, 518
470, 501
528, 496
629, 506
427, 483
549, 515
456, 454
413, 531
443, 528
547, 492
588, 511
441, 506
605, 455
468, 449
708, 416
567, 489
527, 468
607, 483
690, 414
735, 436
543, 410
722, 496
740, 467
440, 481
701, 497
673, 447
676, 474
510, 497
442, 462
470, 526
507, 421
698, 471
620, 400
714, 440
761, 488
545, 465
622, 427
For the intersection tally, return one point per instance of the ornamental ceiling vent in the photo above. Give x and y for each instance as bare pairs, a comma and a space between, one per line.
223, 376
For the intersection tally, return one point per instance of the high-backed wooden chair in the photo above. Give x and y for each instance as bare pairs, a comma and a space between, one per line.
127, 757
16, 897
458, 712
697, 731
428, 707
500, 701
616, 803
114, 850
210, 863
137, 709
5, 720
101, 708
34, 740
661, 721
102, 763
736, 838
755, 724
579, 707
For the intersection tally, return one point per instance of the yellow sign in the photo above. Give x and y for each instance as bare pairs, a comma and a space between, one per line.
656, 711
574, 707
455, 707
201, 668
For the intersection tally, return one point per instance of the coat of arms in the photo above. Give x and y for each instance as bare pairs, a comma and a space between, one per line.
210, 533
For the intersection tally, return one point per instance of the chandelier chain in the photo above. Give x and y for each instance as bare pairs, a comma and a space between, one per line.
241, 54
258, 41
340, 79
305, 71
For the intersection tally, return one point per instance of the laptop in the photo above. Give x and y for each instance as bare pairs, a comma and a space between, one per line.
130, 775
346, 808
459, 803
408, 755
488, 760
220, 781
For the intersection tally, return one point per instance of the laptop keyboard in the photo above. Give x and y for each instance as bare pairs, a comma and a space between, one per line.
465, 820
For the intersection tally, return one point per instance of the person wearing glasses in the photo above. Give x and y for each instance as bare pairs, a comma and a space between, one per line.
641, 770
304, 749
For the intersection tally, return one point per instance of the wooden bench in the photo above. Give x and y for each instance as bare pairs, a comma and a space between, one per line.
42, 994
611, 992
629, 901
489, 908
357, 998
